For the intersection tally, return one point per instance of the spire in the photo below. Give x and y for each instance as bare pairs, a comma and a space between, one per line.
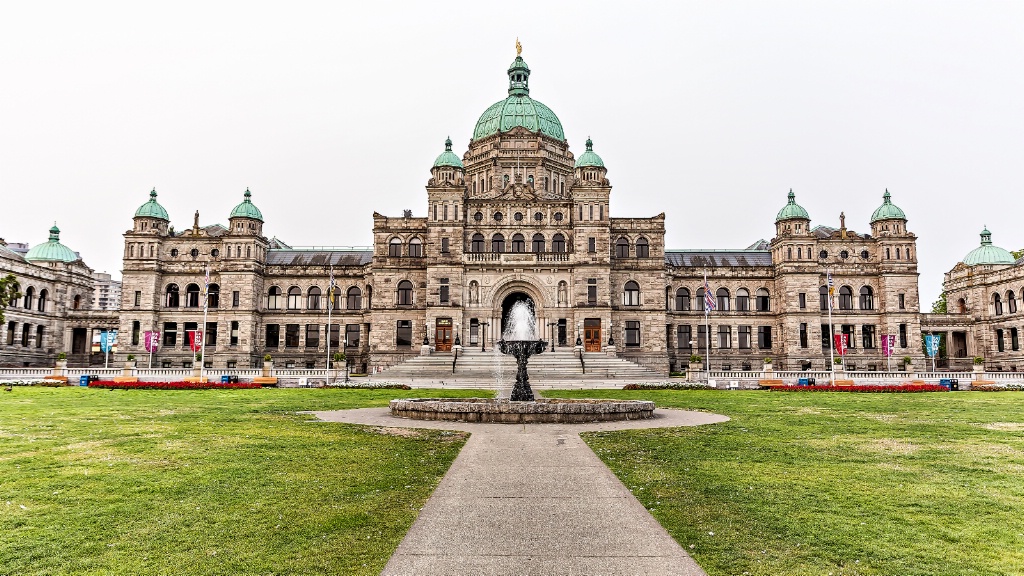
152, 194
518, 74
519, 47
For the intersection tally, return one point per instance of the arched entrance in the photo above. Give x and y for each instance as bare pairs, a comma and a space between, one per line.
509, 302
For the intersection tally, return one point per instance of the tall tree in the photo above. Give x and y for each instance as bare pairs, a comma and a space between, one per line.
8, 293
940, 305
1017, 254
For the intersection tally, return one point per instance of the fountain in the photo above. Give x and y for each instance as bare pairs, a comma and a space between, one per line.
519, 339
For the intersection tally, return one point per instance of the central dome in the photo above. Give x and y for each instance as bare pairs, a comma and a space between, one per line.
518, 110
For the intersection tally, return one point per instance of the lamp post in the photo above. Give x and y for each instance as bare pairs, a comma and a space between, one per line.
483, 337
579, 341
611, 333
551, 333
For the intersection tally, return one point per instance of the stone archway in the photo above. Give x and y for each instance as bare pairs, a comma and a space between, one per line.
509, 301
506, 292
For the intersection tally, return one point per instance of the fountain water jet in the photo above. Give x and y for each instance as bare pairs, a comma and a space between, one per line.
520, 340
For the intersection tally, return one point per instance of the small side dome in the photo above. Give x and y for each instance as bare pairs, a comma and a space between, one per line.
51, 250
792, 210
448, 158
987, 253
247, 209
152, 209
589, 157
888, 210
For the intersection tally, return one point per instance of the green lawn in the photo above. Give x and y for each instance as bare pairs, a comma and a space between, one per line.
832, 483
207, 482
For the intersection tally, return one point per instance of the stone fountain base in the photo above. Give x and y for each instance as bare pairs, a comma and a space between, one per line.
551, 410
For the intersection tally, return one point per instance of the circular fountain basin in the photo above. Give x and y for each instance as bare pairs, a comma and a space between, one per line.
553, 410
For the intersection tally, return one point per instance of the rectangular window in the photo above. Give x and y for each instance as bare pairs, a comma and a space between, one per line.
474, 332
445, 246
136, 329
211, 334
1000, 344
445, 211
435, 211
190, 328
234, 333
273, 336
403, 333
40, 328
903, 301
235, 298
601, 211
802, 297
592, 245
1014, 341
725, 336
850, 335
683, 337
632, 333
291, 335
138, 298
826, 337
867, 335
335, 336
26, 333
744, 337
803, 335
11, 328
592, 292
444, 295
170, 334
903, 335
352, 335
312, 336
764, 337
702, 337
591, 211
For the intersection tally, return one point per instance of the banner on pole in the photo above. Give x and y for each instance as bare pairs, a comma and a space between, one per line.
931, 345
841, 341
888, 344
107, 340
195, 340
152, 340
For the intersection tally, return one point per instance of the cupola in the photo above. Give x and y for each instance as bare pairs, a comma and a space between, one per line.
518, 109
151, 216
888, 219
792, 220
447, 168
51, 250
246, 218
589, 166
987, 254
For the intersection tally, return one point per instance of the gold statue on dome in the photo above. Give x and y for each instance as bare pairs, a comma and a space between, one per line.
519, 48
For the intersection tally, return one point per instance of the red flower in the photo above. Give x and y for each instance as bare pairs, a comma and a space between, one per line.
140, 385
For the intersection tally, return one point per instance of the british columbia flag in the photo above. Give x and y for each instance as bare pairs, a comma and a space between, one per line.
709, 300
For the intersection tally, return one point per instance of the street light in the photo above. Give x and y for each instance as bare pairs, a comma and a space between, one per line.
345, 352
579, 341
551, 332
483, 339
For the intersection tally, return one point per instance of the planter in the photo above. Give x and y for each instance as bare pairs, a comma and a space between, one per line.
129, 368
979, 371
61, 366
268, 369
768, 368
694, 370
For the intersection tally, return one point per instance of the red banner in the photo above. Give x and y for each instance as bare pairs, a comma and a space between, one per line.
841, 341
195, 340
152, 340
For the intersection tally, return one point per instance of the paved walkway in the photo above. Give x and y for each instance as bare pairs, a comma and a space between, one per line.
533, 499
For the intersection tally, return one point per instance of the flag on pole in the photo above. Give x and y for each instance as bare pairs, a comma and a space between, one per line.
195, 340
888, 344
842, 341
831, 291
330, 290
709, 300
152, 340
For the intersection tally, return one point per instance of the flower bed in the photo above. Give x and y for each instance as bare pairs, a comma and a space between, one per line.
1008, 387
33, 382
140, 385
886, 388
668, 386
371, 386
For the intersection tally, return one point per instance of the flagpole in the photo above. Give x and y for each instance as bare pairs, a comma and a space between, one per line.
206, 307
330, 306
150, 346
831, 329
707, 326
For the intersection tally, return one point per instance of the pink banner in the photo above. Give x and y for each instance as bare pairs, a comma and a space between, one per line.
888, 343
152, 340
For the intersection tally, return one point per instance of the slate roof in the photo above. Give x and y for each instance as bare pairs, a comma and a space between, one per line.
717, 258
324, 257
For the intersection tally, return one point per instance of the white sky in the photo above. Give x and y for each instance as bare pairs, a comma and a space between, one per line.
707, 111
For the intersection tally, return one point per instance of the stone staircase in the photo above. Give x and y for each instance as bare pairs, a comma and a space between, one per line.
560, 369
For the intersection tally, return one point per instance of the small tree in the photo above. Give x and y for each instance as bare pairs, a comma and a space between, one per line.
62, 356
940, 306
767, 359
1017, 254
696, 358
9, 292
978, 360
907, 360
267, 358
131, 357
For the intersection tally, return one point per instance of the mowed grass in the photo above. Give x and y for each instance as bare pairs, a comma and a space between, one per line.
207, 482
831, 483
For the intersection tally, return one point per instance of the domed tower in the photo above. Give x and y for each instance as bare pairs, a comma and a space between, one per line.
447, 169
888, 219
589, 166
987, 254
151, 218
792, 220
51, 251
246, 219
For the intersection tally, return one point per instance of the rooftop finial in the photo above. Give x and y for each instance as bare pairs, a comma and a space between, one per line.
152, 194
590, 144
248, 195
986, 236
448, 143
792, 197
886, 197
519, 47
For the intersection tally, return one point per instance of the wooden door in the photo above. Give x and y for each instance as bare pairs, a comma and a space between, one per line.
592, 335
443, 335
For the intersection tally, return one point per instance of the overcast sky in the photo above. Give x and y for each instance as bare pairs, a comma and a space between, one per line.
708, 111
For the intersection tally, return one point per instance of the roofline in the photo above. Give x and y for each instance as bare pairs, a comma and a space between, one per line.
726, 250
324, 248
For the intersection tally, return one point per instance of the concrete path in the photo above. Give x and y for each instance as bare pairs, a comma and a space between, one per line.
533, 499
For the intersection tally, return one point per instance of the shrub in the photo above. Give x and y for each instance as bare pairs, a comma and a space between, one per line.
62, 356
338, 356
978, 360
838, 360
371, 386
1008, 387
696, 358
907, 359
885, 388
668, 386
767, 359
131, 357
110, 384
267, 358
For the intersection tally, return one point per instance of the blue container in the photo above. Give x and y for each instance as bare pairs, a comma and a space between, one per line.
225, 379
803, 382
948, 383
83, 380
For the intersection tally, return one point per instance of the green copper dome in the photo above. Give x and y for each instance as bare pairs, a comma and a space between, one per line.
589, 157
792, 210
247, 209
52, 250
518, 109
888, 210
152, 209
448, 158
987, 253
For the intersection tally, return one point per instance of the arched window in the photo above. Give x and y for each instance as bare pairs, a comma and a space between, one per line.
294, 298
631, 294
497, 243
846, 298
76, 303
867, 298
998, 302
723, 299
192, 296
622, 248
823, 298
354, 299
274, 298
313, 298
742, 300
1011, 301
29, 296
558, 243
415, 248
698, 302
171, 296
683, 299
405, 293
518, 243
213, 296
395, 247
478, 243
762, 300
961, 306
43, 294
643, 248
538, 243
